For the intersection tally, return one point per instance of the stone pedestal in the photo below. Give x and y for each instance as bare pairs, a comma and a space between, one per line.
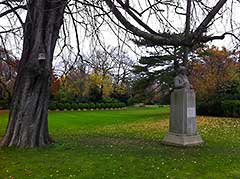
183, 128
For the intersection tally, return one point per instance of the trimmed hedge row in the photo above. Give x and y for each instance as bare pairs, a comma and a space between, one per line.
4, 104
231, 108
81, 106
227, 108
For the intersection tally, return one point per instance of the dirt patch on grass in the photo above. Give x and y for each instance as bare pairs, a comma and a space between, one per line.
143, 133
118, 141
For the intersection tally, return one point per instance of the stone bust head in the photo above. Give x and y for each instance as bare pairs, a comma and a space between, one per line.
182, 70
181, 80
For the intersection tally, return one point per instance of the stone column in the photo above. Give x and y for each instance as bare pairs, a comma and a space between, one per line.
183, 128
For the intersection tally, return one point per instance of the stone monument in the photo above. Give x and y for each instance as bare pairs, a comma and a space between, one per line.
183, 128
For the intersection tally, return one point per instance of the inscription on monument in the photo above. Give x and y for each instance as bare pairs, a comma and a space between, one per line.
191, 112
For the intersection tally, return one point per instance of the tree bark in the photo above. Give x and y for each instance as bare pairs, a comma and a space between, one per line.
28, 119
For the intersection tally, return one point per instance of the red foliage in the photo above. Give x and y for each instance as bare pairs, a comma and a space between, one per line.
213, 69
55, 84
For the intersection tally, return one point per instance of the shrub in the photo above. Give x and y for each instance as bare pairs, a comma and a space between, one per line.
113, 105
85, 106
52, 106
133, 100
122, 105
119, 105
98, 106
103, 105
212, 107
75, 106
109, 100
4, 104
91, 106
67, 106
81, 106
231, 108
108, 105
228, 108
60, 106
116, 105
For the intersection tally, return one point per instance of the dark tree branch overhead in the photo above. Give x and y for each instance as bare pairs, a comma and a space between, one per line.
128, 10
158, 39
204, 25
12, 9
151, 38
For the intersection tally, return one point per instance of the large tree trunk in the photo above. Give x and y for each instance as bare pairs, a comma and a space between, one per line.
28, 120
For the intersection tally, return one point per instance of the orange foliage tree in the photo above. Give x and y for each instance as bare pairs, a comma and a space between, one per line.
214, 70
55, 84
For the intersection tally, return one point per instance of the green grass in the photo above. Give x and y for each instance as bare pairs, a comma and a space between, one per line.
124, 144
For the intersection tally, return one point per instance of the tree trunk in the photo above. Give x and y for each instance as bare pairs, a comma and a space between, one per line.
28, 119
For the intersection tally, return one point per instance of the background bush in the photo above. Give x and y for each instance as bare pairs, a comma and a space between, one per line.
231, 108
91, 106
60, 106
98, 106
52, 106
85, 106
227, 108
68, 106
75, 106
80, 106
4, 104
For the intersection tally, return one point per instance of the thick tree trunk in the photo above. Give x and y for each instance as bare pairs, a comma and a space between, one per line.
28, 120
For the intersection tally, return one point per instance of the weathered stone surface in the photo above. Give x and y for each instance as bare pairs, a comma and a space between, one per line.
183, 112
183, 128
182, 140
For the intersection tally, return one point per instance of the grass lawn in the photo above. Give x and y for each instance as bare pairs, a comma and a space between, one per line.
124, 144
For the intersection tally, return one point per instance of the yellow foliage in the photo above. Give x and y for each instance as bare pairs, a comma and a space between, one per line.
104, 82
121, 89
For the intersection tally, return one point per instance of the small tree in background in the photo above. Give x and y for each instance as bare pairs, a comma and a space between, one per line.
215, 75
155, 75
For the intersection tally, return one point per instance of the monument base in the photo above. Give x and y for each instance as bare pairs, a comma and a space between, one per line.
182, 140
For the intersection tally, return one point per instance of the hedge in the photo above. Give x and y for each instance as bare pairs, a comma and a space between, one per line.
227, 108
52, 106
75, 106
231, 108
4, 104
60, 106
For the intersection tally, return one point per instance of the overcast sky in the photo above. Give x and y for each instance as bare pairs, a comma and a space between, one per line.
221, 25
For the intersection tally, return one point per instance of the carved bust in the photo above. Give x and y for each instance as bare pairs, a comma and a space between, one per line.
181, 80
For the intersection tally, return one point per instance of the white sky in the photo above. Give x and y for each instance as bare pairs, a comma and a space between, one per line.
110, 39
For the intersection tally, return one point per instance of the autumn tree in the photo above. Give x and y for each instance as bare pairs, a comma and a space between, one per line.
74, 86
55, 84
215, 74
105, 74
